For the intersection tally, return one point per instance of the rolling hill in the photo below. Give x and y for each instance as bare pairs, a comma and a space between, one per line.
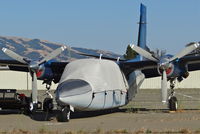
36, 48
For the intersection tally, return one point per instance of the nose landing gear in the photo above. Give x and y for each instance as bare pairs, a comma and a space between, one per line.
173, 103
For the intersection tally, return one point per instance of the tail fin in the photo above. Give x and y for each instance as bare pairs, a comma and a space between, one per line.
142, 30
141, 33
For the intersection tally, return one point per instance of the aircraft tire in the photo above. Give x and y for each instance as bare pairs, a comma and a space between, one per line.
27, 110
48, 104
63, 115
173, 103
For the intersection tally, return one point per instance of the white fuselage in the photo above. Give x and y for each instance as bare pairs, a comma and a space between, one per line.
93, 84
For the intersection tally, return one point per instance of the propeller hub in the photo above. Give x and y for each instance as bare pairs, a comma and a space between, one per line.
168, 67
164, 62
164, 66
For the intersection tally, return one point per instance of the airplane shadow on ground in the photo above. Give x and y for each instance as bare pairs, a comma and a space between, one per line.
49, 116
45, 116
7, 112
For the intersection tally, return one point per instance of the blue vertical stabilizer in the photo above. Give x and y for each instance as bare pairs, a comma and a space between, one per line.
142, 34
142, 28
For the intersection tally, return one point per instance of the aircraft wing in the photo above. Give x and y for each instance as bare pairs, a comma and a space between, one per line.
56, 67
11, 63
192, 62
98, 56
149, 68
14, 65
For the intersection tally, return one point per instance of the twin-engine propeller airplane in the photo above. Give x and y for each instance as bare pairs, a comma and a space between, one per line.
106, 83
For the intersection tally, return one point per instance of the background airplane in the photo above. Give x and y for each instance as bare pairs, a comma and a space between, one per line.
97, 84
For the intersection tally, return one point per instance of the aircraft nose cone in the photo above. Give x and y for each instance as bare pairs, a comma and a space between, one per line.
68, 90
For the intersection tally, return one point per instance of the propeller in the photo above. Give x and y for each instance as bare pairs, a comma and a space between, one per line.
164, 63
185, 51
144, 53
164, 86
14, 55
33, 66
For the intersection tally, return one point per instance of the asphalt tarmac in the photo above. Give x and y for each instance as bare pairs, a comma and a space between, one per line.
144, 114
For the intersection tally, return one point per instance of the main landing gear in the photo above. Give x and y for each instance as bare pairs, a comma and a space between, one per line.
63, 114
33, 107
48, 101
172, 101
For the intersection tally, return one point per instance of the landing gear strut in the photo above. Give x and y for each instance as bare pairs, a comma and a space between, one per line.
172, 101
48, 101
32, 106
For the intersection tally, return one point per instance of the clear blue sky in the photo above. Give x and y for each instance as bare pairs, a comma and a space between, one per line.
102, 24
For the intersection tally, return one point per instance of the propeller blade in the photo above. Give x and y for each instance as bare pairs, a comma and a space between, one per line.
14, 55
164, 86
53, 54
144, 53
185, 51
34, 88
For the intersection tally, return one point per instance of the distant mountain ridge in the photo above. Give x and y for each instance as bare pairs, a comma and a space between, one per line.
36, 48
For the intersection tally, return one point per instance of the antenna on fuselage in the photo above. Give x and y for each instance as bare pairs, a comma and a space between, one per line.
100, 56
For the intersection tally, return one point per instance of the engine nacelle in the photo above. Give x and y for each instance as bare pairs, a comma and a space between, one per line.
185, 74
44, 73
170, 71
174, 71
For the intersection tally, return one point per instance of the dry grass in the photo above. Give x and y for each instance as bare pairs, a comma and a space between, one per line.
100, 131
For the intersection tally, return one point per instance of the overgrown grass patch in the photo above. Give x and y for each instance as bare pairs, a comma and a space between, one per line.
43, 130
